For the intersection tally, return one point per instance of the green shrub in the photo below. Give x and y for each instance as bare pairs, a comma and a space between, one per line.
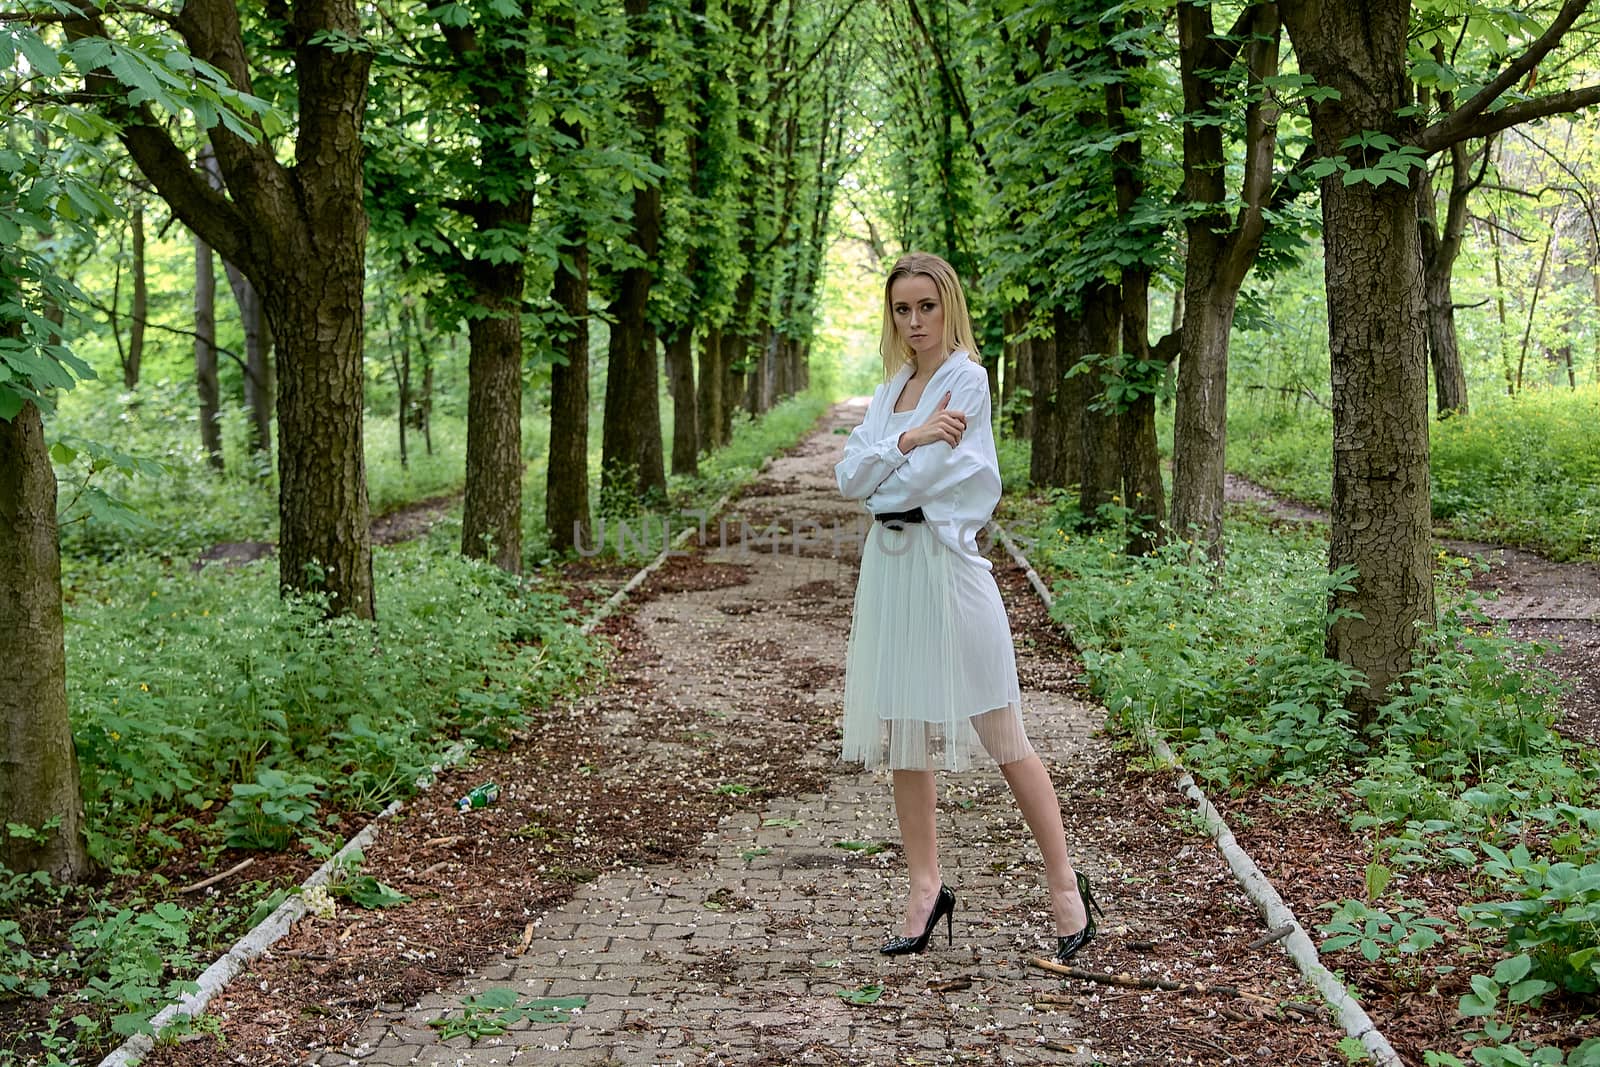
1523, 470
185, 684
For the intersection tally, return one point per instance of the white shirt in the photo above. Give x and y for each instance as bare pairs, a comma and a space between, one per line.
956, 488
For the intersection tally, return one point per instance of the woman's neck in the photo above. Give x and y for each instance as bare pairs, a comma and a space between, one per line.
921, 375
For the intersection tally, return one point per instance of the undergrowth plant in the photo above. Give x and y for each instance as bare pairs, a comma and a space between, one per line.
202, 692
1524, 470
1461, 773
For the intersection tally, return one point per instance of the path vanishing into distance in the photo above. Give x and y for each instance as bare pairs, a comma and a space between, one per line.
757, 944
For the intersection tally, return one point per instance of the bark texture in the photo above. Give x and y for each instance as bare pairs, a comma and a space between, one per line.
1051, 463
1099, 433
205, 351
492, 54
1017, 382
709, 400
38, 763
1440, 247
299, 233
566, 497
1221, 251
134, 360
491, 515
258, 384
632, 463
1380, 522
685, 407
566, 502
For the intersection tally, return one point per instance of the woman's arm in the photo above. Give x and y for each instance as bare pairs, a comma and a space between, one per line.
867, 462
933, 469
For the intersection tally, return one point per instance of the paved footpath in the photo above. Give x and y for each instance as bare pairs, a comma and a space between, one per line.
738, 956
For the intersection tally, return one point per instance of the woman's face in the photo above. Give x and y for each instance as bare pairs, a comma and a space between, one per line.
918, 313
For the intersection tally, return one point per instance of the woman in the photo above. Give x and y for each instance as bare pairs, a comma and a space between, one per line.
931, 675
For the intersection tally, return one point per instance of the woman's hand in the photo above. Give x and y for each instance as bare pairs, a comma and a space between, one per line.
943, 425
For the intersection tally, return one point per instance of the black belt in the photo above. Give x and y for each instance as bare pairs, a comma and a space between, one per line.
894, 517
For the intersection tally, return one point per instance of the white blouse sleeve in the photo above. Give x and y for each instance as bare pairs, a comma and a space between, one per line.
867, 462
932, 470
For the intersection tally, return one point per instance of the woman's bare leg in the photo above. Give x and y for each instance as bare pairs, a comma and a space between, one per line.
1036, 796
915, 799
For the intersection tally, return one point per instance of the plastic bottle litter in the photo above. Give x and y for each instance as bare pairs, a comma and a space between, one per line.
481, 797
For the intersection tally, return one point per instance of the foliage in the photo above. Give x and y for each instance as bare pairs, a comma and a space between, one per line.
155, 492
1552, 917
265, 813
1522, 470
252, 698
489, 1013
1239, 678
1461, 768
50, 154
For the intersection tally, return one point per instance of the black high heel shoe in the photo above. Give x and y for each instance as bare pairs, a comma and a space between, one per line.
1067, 945
944, 906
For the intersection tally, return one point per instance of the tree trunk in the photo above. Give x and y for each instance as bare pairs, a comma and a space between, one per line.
1099, 433
1500, 306
734, 349
1439, 252
258, 384
1018, 376
1533, 302
685, 424
1200, 417
632, 464
38, 762
205, 352
1142, 491
709, 401
299, 232
1051, 463
400, 356
491, 520
1220, 253
1377, 337
492, 56
1444, 351
325, 540
141, 303
566, 500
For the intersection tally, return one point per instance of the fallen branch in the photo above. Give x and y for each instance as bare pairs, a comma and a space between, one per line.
1128, 981
215, 878
1277, 934
525, 940
950, 985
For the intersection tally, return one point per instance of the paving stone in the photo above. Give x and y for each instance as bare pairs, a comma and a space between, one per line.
671, 981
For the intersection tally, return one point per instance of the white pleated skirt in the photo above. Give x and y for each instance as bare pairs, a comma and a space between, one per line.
930, 671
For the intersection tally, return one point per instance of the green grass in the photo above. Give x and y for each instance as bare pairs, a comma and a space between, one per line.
1521, 470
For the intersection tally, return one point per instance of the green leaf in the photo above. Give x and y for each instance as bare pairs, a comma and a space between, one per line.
367, 892
553, 1009
1529, 990
1513, 970
867, 994
41, 57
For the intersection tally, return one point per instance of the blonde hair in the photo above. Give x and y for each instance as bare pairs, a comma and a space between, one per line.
957, 320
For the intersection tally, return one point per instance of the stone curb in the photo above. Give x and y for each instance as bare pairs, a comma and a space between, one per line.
272, 929
1255, 884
